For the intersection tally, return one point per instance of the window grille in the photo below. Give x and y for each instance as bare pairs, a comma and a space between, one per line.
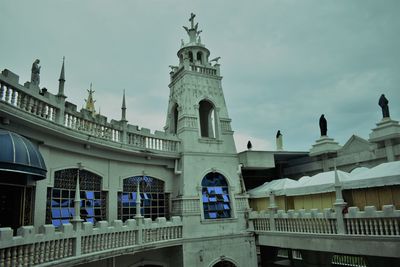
60, 198
154, 200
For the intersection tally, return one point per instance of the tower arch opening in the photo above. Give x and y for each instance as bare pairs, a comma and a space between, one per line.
199, 57
207, 119
191, 56
174, 121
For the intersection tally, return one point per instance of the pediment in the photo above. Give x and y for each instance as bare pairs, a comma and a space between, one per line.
354, 145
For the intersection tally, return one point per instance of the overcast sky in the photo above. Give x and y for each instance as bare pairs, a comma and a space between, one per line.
283, 63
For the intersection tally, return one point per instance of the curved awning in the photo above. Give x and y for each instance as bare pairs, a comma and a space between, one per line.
19, 155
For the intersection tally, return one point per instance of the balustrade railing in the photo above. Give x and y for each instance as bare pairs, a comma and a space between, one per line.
27, 102
40, 103
203, 70
29, 248
368, 222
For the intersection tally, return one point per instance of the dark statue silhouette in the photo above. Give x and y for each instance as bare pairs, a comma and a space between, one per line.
384, 104
323, 125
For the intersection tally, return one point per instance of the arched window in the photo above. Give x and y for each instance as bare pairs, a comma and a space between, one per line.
207, 119
199, 57
60, 198
215, 196
174, 124
154, 200
190, 56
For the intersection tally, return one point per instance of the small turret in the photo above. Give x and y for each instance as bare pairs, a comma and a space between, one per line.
61, 81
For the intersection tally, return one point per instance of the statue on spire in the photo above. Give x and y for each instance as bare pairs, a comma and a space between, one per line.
90, 102
193, 32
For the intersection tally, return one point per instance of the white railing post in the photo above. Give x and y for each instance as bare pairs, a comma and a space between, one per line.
272, 211
339, 205
77, 221
138, 216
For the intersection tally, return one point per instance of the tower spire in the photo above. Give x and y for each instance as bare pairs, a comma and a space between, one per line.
90, 102
123, 108
61, 80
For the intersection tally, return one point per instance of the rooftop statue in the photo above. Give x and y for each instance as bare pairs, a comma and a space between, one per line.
384, 104
323, 125
249, 145
35, 75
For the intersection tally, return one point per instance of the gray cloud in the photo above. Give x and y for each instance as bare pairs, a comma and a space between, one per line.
284, 62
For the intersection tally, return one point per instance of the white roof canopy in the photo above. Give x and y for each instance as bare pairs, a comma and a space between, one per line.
381, 175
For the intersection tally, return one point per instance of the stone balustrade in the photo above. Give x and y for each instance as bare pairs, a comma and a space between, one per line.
29, 101
203, 70
372, 222
32, 100
69, 241
368, 222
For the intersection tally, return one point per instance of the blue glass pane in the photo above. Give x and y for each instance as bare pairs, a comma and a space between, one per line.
65, 212
133, 195
213, 199
125, 198
211, 190
55, 203
226, 198
72, 212
212, 215
65, 203
56, 223
55, 213
205, 207
89, 203
218, 190
212, 206
90, 211
220, 206
91, 220
97, 203
65, 221
89, 194
226, 207
205, 199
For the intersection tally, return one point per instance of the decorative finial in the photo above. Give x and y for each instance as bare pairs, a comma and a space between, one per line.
61, 81
123, 108
192, 32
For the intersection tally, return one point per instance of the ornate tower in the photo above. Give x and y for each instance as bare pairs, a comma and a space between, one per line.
208, 192
197, 112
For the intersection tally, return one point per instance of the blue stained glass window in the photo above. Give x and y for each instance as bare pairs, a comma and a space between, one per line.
65, 212
215, 196
89, 194
133, 195
218, 190
55, 203
72, 211
90, 211
65, 221
56, 223
55, 213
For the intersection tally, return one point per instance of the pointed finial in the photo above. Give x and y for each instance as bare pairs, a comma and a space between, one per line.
61, 81
62, 74
123, 108
90, 101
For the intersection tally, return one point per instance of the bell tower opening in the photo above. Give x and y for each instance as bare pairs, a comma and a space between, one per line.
207, 119
175, 119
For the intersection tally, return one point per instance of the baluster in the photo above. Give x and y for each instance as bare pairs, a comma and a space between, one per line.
376, 230
38, 108
13, 97
2, 251
14, 256
8, 257
26, 255
396, 226
7, 94
391, 226
362, 227
2, 92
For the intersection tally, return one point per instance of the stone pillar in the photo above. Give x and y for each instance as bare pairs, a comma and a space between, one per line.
339, 205
138, 216
272, 210
77, 221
